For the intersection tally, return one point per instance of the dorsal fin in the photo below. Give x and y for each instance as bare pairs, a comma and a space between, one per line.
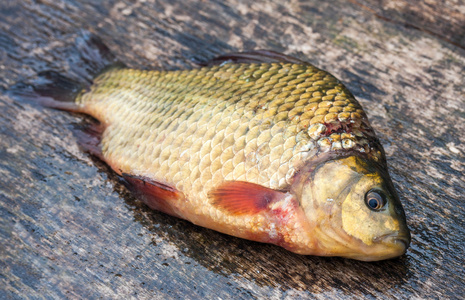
256, 56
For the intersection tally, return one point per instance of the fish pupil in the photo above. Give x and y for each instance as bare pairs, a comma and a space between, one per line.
373, 203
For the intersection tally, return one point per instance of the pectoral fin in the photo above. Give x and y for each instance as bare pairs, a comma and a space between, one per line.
240, 198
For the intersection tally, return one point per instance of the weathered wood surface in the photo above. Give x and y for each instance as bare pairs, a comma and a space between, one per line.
68, 229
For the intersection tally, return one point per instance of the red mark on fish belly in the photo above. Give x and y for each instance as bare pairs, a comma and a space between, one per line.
280, 209
282, 216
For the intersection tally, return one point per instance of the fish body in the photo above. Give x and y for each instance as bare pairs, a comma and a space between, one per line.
273, 150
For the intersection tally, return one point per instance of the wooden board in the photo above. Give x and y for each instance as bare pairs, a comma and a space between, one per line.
69, 229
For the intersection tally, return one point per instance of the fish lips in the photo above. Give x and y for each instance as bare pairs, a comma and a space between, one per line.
395, 239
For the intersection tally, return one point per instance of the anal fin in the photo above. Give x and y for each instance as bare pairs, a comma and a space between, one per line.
156, 195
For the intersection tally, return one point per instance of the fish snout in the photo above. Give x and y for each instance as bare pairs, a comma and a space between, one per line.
397, 240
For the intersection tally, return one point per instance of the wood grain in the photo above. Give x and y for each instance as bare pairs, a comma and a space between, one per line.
69, 229
444, 20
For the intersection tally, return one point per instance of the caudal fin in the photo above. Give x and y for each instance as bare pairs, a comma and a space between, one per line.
50, 89
58, 91
95, 57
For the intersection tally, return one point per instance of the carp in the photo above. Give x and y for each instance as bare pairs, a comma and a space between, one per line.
257, 145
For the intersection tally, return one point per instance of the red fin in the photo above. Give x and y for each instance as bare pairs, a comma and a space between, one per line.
239, 197
156, 195
89, 139
257, 56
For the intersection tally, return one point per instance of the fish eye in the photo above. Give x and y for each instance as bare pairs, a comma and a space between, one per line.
375, 200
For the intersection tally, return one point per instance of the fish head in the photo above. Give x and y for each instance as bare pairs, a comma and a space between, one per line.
355, 210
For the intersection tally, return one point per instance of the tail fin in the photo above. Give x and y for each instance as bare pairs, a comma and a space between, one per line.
50, 89
95, 56
54, 90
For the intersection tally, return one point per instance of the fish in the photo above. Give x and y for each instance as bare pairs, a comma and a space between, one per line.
257, 145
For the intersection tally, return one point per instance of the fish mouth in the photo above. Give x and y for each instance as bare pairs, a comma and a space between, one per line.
394, 239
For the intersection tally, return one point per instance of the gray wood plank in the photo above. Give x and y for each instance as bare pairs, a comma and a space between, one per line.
69, 229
